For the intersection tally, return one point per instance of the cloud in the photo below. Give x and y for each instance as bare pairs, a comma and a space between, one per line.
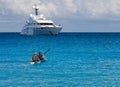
48, 9
70, 6
95, 9
100, 8
20, 7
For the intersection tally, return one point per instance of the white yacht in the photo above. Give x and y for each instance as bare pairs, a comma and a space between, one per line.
38, 24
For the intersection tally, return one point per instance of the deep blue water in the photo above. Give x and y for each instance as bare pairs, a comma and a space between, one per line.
74, 60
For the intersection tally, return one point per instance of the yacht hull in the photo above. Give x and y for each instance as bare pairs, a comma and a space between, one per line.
43, 30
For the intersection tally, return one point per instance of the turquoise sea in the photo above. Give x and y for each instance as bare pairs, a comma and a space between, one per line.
74, 60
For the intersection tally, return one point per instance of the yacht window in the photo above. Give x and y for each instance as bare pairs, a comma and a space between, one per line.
46, 23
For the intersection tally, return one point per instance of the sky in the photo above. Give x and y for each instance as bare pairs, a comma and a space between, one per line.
73, 15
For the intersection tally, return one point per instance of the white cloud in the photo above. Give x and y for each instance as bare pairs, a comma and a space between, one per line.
48, 9
19, 6
66, 8
70, 6
101, 8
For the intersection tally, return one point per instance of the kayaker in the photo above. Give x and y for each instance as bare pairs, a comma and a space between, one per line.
35, 57
41, 56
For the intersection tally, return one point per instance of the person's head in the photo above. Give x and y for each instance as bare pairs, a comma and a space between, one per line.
40, 53
35, 53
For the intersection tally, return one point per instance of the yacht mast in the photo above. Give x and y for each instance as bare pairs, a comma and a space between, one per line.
36, 7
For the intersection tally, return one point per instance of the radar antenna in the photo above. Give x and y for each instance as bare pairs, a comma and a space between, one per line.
36, 7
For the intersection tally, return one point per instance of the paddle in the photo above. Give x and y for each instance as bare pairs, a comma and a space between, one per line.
46, 51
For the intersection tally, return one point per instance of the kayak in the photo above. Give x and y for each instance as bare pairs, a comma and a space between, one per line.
37, 62
34, 62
